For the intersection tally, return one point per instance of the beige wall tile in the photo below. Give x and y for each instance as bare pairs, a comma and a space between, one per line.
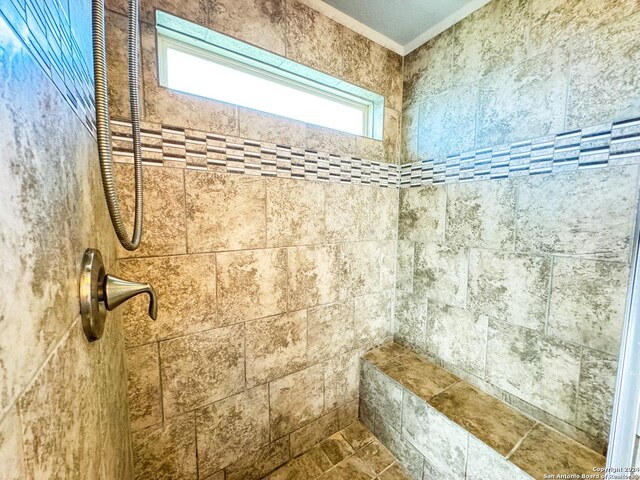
326, 140
231, 428
225, 212
256, 125
145, 398
256, 465
201, 368
11, 449
295, 212
447, 123
372, 318
315, 275
314, 432
409, 134
166, 451
362, 263
441, 273
536, 368
369, 149
422, 214
382, 394
482, 214
164, 210
588, 300
295, 400
276, 346
588, 214
513, 288
442, 442
595, 395
259, 22
350, 212
330, 331
348, 413
457, 336
405, 266
251, 284
116, 26
186, 288
603, 62
341, 380
391, 135
524, 101
410, 327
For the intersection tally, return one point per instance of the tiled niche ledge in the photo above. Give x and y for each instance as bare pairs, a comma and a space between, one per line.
441, 427
612, 144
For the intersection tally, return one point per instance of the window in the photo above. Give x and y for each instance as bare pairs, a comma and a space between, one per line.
199, 61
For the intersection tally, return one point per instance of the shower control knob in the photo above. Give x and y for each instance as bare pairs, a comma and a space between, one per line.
101, 292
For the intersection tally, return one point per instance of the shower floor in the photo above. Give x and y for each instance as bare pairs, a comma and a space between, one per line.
351, 454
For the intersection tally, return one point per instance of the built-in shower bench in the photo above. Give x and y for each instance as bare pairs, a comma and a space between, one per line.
440, 427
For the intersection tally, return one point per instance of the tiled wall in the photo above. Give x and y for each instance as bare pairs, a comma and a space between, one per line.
519, 283
285, 27
518, 70
63, 401
270, 286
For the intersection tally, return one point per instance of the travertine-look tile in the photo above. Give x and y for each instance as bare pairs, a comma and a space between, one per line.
231, 428
314, 432
524, 101
350, 216
588, 301
372, 318
383, 218
353, 468
166, 451
116, 25
295, 212
251, 284
381, 393
256, 465
443, 443
348, 413
405, 266
357, 435
310, 465
402, 449
256, 125
482, 214
389, 253
536, 368
336, 448
595, 396
296, 400
441, 273
330, 331
509, 287
201, 368
545, 450
341, 380
419, 376
395, 472
145, 404
422, 214
375, 455
586, 213
597, 72
483, 462
259, 22
386, 354
164, 209
457, 336
315, 275
447, 123
186, 288
485, 417
275, 346
11, 450
410, 327
369, 149
409, 134
391, 138
327, 140
225, 212
362, 263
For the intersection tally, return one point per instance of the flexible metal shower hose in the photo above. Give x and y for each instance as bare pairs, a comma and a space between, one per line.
103, 126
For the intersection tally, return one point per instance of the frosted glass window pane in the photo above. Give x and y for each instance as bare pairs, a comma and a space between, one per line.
200, 76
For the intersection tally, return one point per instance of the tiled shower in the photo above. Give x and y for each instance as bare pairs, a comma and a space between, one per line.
447, 301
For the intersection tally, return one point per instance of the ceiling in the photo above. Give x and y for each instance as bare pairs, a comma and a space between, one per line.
401, 25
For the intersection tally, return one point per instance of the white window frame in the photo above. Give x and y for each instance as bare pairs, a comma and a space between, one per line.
167, 39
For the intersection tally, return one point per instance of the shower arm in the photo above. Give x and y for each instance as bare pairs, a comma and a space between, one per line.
103, 124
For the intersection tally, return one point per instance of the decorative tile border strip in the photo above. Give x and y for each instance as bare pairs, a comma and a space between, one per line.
611, 144
185, 148
46, 30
